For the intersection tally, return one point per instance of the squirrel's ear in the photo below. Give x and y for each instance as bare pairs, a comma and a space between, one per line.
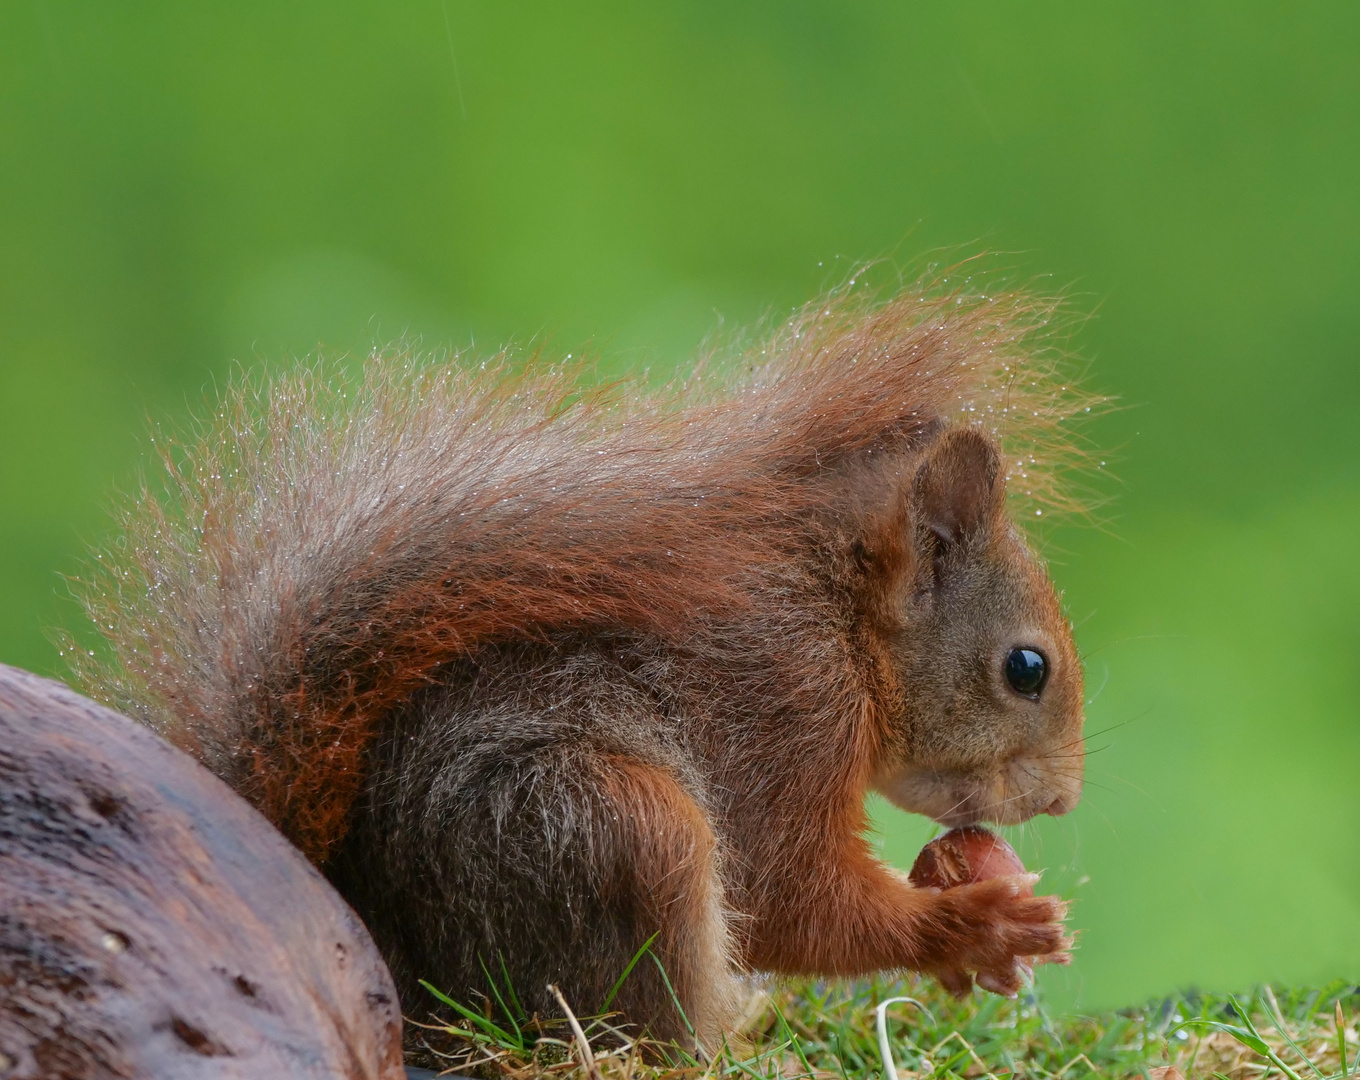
958, 487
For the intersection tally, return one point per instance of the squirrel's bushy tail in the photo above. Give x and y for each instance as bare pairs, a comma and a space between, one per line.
322, 547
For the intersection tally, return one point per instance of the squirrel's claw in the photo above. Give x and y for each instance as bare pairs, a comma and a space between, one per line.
1001, 933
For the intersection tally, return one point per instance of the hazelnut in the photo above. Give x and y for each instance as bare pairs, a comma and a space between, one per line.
964, 856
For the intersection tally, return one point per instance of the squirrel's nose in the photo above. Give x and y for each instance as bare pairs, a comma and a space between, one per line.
1058, 807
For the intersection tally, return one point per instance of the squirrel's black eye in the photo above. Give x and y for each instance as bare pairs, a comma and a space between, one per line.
1026, 671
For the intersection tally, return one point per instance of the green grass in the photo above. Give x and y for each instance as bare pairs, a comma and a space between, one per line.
828, 1030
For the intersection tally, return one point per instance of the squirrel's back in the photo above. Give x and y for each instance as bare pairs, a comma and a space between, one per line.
323, 548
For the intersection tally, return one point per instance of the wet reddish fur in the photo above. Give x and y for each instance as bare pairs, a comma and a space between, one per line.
673, 508
827, 906
672, 874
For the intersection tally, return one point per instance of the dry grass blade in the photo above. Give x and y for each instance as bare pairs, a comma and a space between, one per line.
587, 1057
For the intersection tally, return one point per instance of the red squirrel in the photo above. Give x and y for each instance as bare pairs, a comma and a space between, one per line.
538, 674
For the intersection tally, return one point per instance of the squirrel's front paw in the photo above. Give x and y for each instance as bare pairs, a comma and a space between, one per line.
994, 931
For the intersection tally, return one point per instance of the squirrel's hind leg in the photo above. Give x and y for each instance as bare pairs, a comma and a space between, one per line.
669, 865
550, 866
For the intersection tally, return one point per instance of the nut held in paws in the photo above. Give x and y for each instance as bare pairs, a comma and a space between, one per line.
965, 856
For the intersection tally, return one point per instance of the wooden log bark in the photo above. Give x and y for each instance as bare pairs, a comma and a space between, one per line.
153, 925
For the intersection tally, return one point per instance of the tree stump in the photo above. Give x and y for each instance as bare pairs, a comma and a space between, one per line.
153, 925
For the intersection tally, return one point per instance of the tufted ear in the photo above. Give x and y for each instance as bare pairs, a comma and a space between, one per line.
959, 488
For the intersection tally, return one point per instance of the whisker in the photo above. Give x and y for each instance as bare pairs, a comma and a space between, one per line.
1103, 683
1084, 656
958, 804
1054, 755
1112, 727
1130, 784
1105, 817
1085, 619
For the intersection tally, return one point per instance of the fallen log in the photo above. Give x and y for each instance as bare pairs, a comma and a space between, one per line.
153, 925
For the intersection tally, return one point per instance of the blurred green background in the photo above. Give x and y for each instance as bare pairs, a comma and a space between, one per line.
185, 185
